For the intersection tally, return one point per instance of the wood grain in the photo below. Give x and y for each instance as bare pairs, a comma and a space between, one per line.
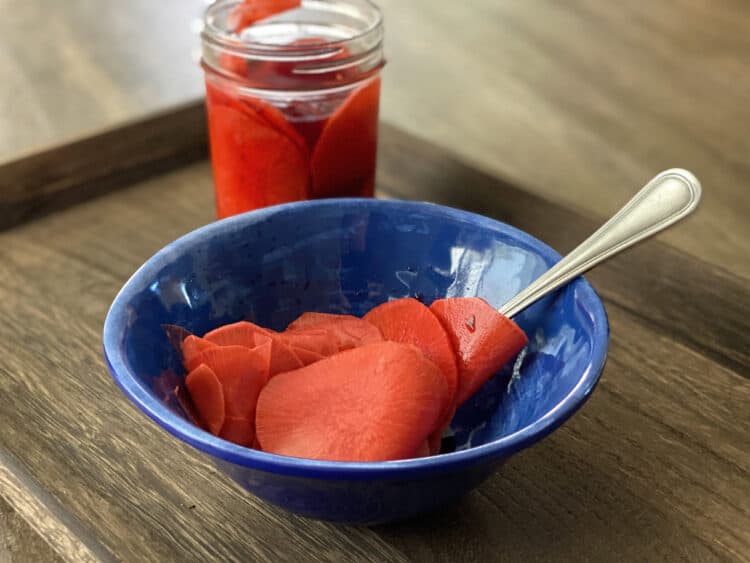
653, 468
39, 529
78, 67
579, 101
19, 543
79, 169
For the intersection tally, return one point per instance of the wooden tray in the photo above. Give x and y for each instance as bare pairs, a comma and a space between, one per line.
655, 466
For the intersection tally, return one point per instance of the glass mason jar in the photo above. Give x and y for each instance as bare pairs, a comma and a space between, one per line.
292, 101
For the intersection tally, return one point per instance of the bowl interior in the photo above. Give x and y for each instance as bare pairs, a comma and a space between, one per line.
347, 256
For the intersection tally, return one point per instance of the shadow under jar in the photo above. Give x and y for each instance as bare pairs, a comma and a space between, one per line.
292, 101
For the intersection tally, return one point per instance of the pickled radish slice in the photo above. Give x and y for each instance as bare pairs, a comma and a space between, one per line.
372, 403
317, 340
277, 120
424, 450
238, 430
247, 151
483, 340
208, 397
343, 159
192, 347
242, 372
283, 357
307, 357
251, 11
349, 331
241, 333
411, 322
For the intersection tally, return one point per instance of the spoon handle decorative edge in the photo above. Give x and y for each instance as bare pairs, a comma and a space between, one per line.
669, 197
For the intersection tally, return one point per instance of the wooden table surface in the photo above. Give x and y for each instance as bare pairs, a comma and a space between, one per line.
545, 115
578, 101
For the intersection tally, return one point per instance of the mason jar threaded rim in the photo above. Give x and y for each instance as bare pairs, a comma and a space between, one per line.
351, 38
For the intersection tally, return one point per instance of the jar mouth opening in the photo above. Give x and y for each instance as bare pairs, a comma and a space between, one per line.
250, 43
321, 44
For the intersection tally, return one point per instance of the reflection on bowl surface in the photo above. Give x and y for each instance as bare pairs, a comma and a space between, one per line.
346, 256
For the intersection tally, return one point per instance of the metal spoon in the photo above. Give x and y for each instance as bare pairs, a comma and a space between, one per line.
669, 197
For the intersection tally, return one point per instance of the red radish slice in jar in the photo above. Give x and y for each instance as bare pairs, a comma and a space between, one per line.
233, 64
248, 157
277, 120
251, 11
343, 160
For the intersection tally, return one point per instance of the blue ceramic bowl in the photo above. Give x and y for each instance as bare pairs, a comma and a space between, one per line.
346, 256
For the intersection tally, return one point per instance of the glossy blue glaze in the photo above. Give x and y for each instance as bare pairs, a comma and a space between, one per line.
346, 256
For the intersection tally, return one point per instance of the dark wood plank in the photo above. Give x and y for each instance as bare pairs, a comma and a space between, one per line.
654, 467
75, 171
19, 543
703, 306
36, 527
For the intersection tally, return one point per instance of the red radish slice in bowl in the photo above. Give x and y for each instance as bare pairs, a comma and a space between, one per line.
484, 340
241, 333
349, 331
238, 430
191, 348
411, 322
307, 357
320, 341
208, 397
242, 372
372, 403
283, 357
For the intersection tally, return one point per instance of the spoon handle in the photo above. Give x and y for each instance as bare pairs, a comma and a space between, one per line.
669, 197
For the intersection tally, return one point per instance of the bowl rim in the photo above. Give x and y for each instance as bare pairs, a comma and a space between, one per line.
116, 321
